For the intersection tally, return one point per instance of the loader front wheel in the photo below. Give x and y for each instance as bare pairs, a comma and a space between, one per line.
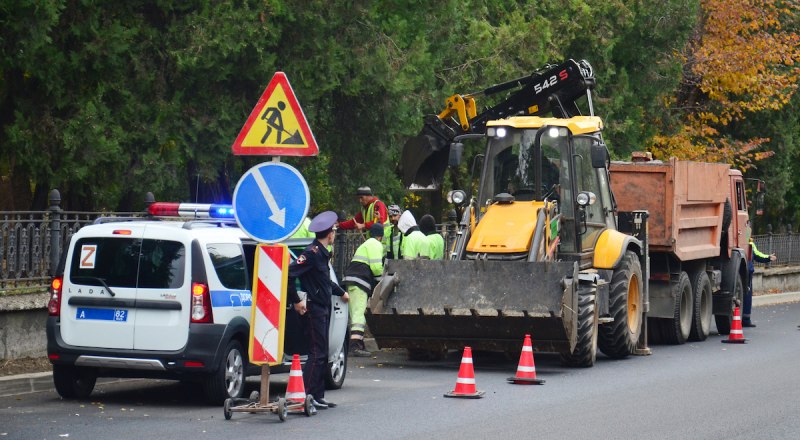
618, 338
585, 351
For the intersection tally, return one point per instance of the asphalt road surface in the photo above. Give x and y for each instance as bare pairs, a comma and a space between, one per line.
702, 390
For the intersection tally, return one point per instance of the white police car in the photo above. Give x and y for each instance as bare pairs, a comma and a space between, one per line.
166, 299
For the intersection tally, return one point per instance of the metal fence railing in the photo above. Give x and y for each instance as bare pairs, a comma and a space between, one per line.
31, 243
786, 248
347, 242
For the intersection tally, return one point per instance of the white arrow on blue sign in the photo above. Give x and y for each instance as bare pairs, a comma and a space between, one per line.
271, 201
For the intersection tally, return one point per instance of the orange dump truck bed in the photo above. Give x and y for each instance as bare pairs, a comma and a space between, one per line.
686, 201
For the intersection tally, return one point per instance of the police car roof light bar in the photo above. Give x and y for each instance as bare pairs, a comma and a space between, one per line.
193, 210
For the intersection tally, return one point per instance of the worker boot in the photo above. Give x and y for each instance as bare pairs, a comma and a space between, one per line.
359, 349
748, 323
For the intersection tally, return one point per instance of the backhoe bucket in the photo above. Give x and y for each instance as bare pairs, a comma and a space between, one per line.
487, 305
425, 156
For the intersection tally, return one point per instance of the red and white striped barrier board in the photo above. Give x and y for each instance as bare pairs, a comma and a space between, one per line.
269, 299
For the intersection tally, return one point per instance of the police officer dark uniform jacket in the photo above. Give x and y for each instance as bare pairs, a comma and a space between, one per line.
311, 267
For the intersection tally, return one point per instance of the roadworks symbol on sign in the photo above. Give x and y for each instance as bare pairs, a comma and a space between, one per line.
277, 125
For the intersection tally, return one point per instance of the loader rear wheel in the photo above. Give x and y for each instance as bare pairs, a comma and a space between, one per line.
618, 339
701, 315
585, 351
676, 330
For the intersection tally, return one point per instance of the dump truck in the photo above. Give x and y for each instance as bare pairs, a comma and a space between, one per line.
698, 236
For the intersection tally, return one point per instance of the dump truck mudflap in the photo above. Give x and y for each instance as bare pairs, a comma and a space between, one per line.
484, 304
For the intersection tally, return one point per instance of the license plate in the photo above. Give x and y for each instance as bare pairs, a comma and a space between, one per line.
118, 315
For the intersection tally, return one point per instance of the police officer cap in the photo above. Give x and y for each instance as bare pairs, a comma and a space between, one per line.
323, 221
376, 230
364, 191
394, 210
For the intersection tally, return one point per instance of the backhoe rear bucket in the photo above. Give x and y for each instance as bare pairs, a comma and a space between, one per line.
487, 305
425, 156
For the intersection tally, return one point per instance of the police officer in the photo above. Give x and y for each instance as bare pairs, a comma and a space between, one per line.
311, 267
360, 278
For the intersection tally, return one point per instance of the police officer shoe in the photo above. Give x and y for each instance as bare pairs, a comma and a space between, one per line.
748, 323
317, 404
324, 403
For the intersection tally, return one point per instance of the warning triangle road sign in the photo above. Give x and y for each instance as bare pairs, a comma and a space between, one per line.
277, 125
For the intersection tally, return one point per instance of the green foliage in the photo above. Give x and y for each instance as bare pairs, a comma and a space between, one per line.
108, 100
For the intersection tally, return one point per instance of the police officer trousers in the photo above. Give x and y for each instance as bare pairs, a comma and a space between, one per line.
314, 325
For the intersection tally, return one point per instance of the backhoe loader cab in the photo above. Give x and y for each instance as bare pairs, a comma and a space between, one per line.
533, 162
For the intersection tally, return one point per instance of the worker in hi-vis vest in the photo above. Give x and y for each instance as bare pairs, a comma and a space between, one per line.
414, 243
360, 277
392, 236
372, 211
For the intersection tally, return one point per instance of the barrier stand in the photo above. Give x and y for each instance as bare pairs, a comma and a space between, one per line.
266, 339
259, 402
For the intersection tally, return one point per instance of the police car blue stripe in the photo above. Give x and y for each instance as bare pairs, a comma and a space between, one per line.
231, 298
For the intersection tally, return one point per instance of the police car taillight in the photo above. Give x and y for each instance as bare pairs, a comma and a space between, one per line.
54, 305
194, 210
201, 304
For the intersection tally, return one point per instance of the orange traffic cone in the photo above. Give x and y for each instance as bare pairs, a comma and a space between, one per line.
295, 390
526, 370
465, 383
736, 336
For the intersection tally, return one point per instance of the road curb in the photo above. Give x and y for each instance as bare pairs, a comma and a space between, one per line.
775, 298
36, 382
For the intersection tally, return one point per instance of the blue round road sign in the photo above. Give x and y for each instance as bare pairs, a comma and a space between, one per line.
271, 201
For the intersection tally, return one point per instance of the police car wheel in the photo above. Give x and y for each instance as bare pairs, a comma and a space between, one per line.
337, 370
73, 382
228, 380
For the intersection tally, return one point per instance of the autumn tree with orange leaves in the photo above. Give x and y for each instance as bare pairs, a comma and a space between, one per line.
741, 60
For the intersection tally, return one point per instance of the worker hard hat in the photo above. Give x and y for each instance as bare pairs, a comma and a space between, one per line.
364, 191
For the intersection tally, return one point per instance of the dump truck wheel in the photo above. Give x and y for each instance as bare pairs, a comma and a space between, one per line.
618, 339
702, 312
676, 330
586, 348
724, 321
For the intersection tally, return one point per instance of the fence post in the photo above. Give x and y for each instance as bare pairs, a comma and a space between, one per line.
55, 230
789, 241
